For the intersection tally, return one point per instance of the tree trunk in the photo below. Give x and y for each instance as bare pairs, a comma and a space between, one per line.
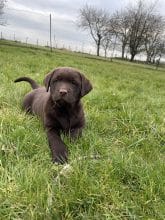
98, 46
148, 60
98, 49
105, 53
132, 57
123, 51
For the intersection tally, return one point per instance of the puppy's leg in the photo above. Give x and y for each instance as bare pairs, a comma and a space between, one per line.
27, 102
75, 133
57, 146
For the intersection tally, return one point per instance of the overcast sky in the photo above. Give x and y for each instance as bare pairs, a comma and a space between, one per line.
29, 20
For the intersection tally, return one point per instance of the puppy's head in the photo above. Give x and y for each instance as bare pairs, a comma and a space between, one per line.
67, 85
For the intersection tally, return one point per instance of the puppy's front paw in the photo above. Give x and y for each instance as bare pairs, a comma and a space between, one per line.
60, 157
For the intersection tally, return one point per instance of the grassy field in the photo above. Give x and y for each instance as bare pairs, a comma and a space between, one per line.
125, 116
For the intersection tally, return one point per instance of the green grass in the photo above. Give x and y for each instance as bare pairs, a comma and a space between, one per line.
125, 124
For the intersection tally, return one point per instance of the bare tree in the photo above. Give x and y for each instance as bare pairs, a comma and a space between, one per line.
96, 21
106, 42
139, 26
154, 37
120, 25
159, 50
2, 5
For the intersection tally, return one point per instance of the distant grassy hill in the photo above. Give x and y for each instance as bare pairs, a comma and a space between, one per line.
125, 125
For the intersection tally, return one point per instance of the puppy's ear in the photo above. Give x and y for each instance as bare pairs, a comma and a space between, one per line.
47, 80
86, 85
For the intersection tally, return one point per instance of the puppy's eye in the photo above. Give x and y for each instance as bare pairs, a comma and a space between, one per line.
55, 80
74, 82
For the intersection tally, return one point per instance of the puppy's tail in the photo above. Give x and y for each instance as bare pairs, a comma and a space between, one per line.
33, 83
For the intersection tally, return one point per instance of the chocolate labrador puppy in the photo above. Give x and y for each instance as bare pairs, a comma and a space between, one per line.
59, 106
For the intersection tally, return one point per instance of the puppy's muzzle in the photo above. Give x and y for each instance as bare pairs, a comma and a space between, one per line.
63, 92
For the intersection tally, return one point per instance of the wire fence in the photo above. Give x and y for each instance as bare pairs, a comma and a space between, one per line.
32, 27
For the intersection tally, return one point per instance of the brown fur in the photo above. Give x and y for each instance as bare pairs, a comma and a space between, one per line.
59, 106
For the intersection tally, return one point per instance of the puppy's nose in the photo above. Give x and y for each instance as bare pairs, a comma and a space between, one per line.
63, 92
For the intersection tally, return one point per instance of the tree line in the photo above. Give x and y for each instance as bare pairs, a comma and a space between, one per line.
137, 29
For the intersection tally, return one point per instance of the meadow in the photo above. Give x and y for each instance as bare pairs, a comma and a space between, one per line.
125, 126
